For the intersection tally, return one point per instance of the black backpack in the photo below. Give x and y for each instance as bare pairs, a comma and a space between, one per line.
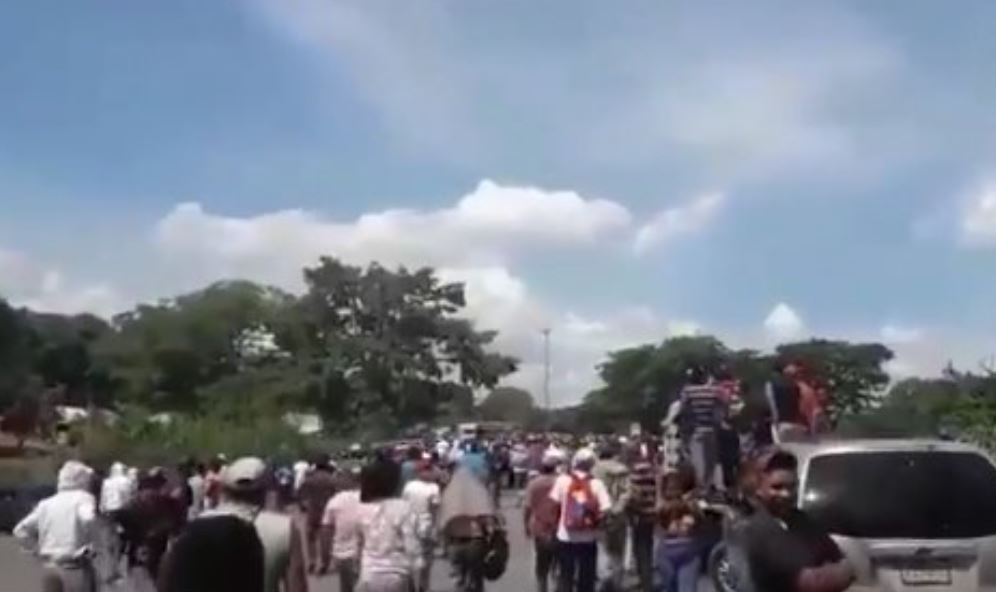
495, 555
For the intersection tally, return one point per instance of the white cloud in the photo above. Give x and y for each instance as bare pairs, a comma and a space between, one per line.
682, 220
783, 323
900, 335
496, 299
26, 282
488, 226
978, 221
474, 241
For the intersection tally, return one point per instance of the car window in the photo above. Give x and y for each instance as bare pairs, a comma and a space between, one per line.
929, 494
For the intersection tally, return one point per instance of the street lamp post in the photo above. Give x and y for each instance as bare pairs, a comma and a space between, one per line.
546, 370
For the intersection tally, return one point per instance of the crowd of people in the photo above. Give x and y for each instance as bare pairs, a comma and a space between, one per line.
606, 512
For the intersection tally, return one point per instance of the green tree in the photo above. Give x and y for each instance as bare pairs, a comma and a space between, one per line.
17, 343
387, 345
640, 382
161, 356
852, 372
509, 404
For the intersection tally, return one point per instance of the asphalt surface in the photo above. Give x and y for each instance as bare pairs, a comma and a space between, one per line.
20, 572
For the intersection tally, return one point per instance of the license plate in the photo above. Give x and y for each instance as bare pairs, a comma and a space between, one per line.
926, 577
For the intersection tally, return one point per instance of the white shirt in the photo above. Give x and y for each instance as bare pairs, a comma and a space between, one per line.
424, 499
115, 493
388, 541
346, 513
559, 494
198, 487
61, 528
300, 472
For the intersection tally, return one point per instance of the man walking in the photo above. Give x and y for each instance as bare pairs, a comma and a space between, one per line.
583, 501
60, 531
541, 516
612, 551
316, 490
243, 494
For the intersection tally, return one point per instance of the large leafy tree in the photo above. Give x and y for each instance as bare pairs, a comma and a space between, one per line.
852, 372
17, 343
386, 345
510, 404
162, 355
640, 382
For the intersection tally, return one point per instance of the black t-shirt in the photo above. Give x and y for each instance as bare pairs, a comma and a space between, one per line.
777, 551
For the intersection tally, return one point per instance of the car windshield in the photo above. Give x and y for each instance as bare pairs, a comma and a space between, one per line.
917, 495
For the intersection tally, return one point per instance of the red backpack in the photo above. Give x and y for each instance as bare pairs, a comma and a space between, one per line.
581, 508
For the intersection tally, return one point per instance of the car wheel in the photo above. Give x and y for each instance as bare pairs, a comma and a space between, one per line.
721, 571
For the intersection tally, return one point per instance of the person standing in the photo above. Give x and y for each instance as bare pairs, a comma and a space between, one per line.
315, 492
703, 412
541, 516
344, 515
612, 552
785, 550
679, 543
423, 494
642, 507
583, 501
785, 404
198, 487
243, 494
390, 552
60, 530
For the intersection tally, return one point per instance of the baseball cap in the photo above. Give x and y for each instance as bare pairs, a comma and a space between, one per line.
245, 473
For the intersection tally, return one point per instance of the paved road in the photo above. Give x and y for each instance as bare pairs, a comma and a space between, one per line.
20, 572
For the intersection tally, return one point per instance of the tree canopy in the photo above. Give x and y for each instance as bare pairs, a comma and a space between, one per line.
640, 382
388, 348
360, 346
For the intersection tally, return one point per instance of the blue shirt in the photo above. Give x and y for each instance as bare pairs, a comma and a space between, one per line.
477, 463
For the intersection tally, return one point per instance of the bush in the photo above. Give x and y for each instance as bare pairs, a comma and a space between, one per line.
138, 441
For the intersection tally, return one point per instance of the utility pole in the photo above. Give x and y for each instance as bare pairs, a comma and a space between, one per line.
546, 370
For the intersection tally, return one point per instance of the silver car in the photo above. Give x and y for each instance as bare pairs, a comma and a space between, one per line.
909, 514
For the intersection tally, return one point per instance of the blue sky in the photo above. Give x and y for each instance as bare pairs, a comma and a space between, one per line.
618, 171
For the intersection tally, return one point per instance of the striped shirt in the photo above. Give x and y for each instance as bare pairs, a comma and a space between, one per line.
702, 405
643, 488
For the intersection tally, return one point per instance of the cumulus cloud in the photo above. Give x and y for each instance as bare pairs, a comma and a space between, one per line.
497, 299
682, 220
978, 221
27, 282
783, 323
488, 226
474, 241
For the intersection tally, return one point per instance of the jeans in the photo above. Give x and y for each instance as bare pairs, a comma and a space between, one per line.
577, 566
546, 557
349, 571
677, 562
703, 447
643, 552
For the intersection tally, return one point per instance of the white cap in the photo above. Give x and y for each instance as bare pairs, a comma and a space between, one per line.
246, 472
584, 456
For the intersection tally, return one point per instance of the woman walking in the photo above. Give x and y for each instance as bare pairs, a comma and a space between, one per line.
391, 553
